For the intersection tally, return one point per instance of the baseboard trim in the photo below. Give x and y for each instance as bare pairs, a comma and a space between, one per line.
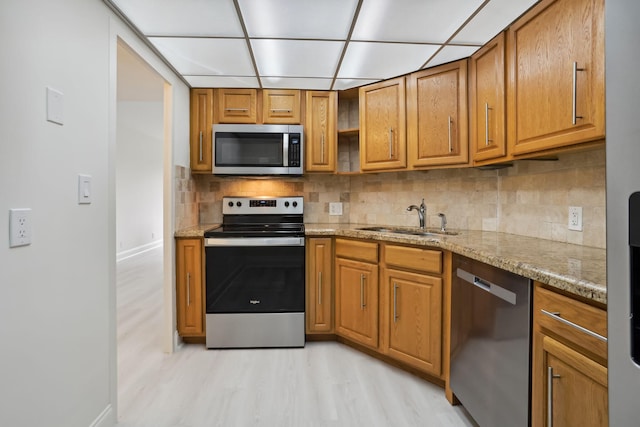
120, 256
105, 419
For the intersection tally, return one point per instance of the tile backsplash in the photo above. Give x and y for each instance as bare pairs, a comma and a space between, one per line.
532, 198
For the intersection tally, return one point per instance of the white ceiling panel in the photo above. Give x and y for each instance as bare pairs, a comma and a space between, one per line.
296, 58
222, 81
451, 53
383, 60
183, 18
493, 18
432, 21
343, 84
288, 82
301, 19
199, 56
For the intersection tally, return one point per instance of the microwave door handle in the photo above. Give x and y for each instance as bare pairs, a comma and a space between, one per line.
285, 149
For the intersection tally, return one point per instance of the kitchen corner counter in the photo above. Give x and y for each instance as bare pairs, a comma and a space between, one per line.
579, 270
195, 231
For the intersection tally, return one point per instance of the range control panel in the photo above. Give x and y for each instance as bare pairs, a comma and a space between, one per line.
262, 205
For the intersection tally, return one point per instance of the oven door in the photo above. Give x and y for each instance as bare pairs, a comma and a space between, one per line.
255, 275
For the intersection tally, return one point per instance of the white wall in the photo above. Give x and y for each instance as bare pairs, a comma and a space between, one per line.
57, 304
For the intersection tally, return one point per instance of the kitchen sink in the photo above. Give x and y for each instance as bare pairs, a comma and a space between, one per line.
409, 231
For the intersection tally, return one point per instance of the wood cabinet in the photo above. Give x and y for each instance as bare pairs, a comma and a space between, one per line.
237, 105
569, 364
190, 304
411, 306
437, 123
356, 281
201, 122
556, 76
487, 101
319, 285
281, 106
320, 131
382, 126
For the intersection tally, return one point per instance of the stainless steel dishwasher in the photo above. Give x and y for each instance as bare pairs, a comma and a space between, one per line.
490, 343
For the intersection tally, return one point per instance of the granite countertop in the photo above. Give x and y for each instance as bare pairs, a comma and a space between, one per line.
579, 270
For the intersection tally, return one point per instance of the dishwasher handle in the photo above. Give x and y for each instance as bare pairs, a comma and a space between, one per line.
485, 285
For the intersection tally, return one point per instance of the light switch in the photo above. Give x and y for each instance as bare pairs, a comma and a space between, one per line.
55, 110
84, 189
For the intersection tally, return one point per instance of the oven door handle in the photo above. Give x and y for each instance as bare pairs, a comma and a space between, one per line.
254, 241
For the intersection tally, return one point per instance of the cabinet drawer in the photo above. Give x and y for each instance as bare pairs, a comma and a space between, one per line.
355, 249
575, 321
426, 260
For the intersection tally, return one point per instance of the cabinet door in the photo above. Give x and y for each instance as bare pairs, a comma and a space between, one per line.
437, 124
237, 105
556, 76
412, 322
576, 391
201, 130
189, 284
320, 131
319, 285
357, 301
487, 101
382, 126
281, 106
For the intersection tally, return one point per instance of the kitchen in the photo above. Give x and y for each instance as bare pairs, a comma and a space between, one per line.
500, 186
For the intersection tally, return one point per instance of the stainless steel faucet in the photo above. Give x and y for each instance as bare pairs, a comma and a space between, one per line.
422, 213
443, 222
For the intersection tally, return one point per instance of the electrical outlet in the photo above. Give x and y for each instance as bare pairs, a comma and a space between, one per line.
19, 227
575, 218
335, 208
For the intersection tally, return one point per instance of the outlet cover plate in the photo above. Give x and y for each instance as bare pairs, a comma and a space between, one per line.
19, 227
575, 218
335, 208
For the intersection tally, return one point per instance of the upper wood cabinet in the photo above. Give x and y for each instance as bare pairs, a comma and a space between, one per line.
487, 101
237, 105
189, 287
281, 106
320, 131
437, 123
556, 76
201, 121
319, 285
382, 126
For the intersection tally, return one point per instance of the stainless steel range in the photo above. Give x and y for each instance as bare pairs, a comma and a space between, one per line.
255, 263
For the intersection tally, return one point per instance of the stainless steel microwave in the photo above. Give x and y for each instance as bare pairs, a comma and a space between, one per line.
258, 149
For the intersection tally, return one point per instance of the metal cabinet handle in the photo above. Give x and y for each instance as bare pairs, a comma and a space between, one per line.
280, 110
200, 145
395, 302
188, 289
319, 287
362, 304
550, 377
486, 124
556, 315
236, 109
574, 116
449, 128
390, 143
322, 147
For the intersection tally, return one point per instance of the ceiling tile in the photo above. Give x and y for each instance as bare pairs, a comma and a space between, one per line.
222, 81
296, 58
493, 18
183, 18
288, 83
301, 19
383, 60
451, 53
342, 84
199, 56
432, 21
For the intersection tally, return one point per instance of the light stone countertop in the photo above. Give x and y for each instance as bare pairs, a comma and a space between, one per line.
579, 270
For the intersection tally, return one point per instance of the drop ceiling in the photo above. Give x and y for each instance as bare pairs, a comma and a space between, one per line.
313, 44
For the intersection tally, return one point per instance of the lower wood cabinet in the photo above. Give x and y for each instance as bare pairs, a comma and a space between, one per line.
319, 285
190, 287
357, 291
569, 363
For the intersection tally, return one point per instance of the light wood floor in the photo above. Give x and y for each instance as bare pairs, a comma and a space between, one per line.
322, 384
